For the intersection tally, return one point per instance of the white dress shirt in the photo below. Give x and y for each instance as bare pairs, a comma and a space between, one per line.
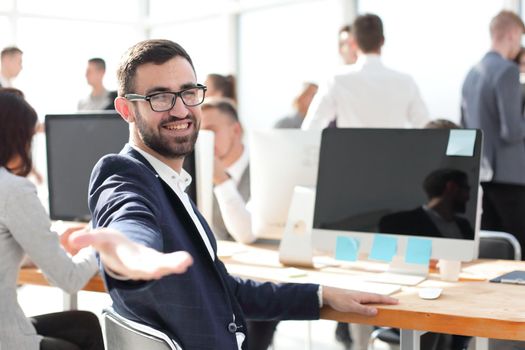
178, 183
234, 210
367, 94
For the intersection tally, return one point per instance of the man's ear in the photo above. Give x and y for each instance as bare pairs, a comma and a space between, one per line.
123, 108
237, 129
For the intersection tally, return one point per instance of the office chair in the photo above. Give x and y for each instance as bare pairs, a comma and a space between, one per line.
492, 245
498, 245
124, 334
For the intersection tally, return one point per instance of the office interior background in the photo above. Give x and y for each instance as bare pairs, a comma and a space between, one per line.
272, 46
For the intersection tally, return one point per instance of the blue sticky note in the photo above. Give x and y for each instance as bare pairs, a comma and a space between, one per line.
346, 248
461, 143
419, 251
383, 248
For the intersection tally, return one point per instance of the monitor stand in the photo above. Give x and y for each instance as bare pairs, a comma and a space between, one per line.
296, 243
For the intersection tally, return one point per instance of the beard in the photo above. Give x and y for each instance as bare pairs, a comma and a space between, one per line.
169, 147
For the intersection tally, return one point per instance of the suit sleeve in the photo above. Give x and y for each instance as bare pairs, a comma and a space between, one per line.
275, 301
508, 95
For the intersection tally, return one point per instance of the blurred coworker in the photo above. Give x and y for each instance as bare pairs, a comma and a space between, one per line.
347, 45
11, 65
492, 102
368, 94
301, 104
221, 86
25, 229
231, 178
99, 98
520, 61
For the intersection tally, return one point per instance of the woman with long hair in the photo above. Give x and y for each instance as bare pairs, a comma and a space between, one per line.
25, 229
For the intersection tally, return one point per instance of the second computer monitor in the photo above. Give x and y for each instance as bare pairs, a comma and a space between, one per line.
400, 182
75, 142
280, 159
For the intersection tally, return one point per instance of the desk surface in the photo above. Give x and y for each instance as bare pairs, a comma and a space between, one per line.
469, 307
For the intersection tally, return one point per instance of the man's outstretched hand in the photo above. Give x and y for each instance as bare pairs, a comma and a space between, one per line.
128, 259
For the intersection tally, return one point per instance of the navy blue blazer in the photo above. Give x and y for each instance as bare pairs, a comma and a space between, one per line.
196, 308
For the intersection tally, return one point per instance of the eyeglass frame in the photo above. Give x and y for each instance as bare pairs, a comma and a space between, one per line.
137, 97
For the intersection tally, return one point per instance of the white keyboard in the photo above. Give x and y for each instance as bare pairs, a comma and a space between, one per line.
356, 284
396, 278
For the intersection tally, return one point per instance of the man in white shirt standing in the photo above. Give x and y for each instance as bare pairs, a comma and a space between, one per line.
11, 65
368, 94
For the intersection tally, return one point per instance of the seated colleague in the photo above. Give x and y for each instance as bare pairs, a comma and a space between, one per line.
448, 193
221, 86
300, 104
231, 173
232, 190
367, 94
99, 98
140, 192
24, 229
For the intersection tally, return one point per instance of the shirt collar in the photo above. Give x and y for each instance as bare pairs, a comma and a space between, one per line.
5, 82
182, 180
368, 59
239, 166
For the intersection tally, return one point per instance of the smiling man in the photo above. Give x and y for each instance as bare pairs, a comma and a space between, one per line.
140, 192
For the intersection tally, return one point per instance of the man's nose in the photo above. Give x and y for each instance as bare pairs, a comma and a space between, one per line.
179, 110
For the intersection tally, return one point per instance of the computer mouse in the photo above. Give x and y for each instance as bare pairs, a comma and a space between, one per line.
430, 293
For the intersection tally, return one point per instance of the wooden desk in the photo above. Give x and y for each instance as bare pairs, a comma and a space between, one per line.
469, 307
472, 306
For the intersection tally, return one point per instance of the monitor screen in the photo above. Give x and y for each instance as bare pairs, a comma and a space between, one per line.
397, 181
280, 160
75, 142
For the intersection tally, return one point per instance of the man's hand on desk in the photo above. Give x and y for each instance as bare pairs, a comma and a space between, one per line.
128, 259
349, 301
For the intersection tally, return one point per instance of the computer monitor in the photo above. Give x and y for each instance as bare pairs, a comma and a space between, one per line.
74, 144
387, 181
280, 159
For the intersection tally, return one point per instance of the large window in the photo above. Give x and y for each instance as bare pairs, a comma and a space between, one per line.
208, 41
436, 42
281, 48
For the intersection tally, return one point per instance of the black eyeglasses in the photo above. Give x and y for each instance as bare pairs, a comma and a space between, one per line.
165, 100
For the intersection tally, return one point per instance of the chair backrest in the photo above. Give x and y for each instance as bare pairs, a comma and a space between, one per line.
498, 245
124, 334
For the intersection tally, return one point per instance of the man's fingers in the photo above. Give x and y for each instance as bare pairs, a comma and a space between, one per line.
364, 310
367, 298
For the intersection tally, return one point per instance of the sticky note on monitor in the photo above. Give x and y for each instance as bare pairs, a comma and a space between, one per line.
419, 251
461, 143
383, 248
346, 248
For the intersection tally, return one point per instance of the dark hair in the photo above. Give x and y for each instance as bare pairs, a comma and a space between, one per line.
436, 182
345, 29
98, 62
225, 105
225, 84
368, 32
17, 126
10, 50
157, 51
518, 57
442, 124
